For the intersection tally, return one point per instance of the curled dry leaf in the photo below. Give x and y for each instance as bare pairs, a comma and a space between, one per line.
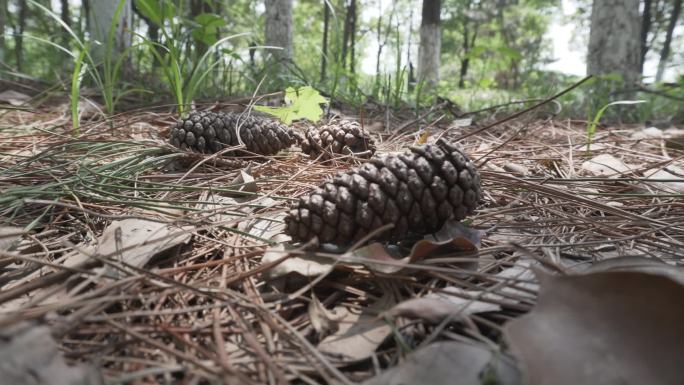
308, 265
134, 241
452, 237
451, 362
603, 329
14, 98
359, 333
670, 179
515, 169
324, 321
512, 283
29, 355
9, 236
605, 165
638, 264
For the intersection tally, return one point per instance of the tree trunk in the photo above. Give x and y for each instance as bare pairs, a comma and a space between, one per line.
352, 35
279, 29
326, 27
645, 28
614, 40
430, 43
3, 15
198, 7
66, 19
665, 53
345, 36
19, 35
101, 16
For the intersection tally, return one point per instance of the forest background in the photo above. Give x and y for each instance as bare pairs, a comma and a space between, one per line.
393, 53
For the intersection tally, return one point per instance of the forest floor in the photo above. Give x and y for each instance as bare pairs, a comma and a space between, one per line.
139, 263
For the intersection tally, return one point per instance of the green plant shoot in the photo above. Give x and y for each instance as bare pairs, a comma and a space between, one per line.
303, 103
591, 128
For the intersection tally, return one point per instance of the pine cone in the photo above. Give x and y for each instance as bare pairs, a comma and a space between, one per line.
345, 137
416, 191
210, 132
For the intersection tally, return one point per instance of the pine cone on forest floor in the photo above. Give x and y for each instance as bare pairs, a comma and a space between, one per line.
210, 132
416, 192
345, 137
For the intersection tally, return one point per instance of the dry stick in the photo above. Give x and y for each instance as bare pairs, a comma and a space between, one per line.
521, 112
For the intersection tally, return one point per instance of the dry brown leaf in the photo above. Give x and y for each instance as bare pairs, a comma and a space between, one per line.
307, 265
324, 321
448, 363
515, 169
638, 264
673, 173
14, 98
605, 165
452, 237
359, 334
9, 236
30, 356
602, 329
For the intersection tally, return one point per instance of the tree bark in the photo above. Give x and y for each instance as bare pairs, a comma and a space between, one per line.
3, 16
101, 15
645, 28
614, 40
352, 35
326, 26
665, 52
279, 29
19, 35
66, 18
430, 43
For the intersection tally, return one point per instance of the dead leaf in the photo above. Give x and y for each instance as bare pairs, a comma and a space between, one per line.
307, 265
9, 237
134, 241
515, 169
605, 165
453, 301
675, 174
245, 181
450, 362
647, 133
638, 264
359, 334
14, 98
602, 328
324, 321
29, 355
452, 237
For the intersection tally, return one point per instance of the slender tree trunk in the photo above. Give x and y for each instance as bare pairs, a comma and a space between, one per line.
279, 29
66, 19
101, 16
665, 52
19, 35
614, 40
198, 7
645, 28
352, 36
326, 27
465, 61
345, 35
3, 16
430, 43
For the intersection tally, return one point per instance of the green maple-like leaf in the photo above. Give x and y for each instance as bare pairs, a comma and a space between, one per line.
303, 103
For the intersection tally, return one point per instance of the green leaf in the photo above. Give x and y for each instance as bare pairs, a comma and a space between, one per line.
209, 25
156, 11
510, 53
303, 103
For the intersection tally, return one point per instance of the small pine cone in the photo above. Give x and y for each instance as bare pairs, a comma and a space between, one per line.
210, 132
417, 191
345, 137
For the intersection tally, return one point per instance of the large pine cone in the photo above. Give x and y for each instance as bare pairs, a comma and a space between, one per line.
416, 191
344, 137
210, 132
